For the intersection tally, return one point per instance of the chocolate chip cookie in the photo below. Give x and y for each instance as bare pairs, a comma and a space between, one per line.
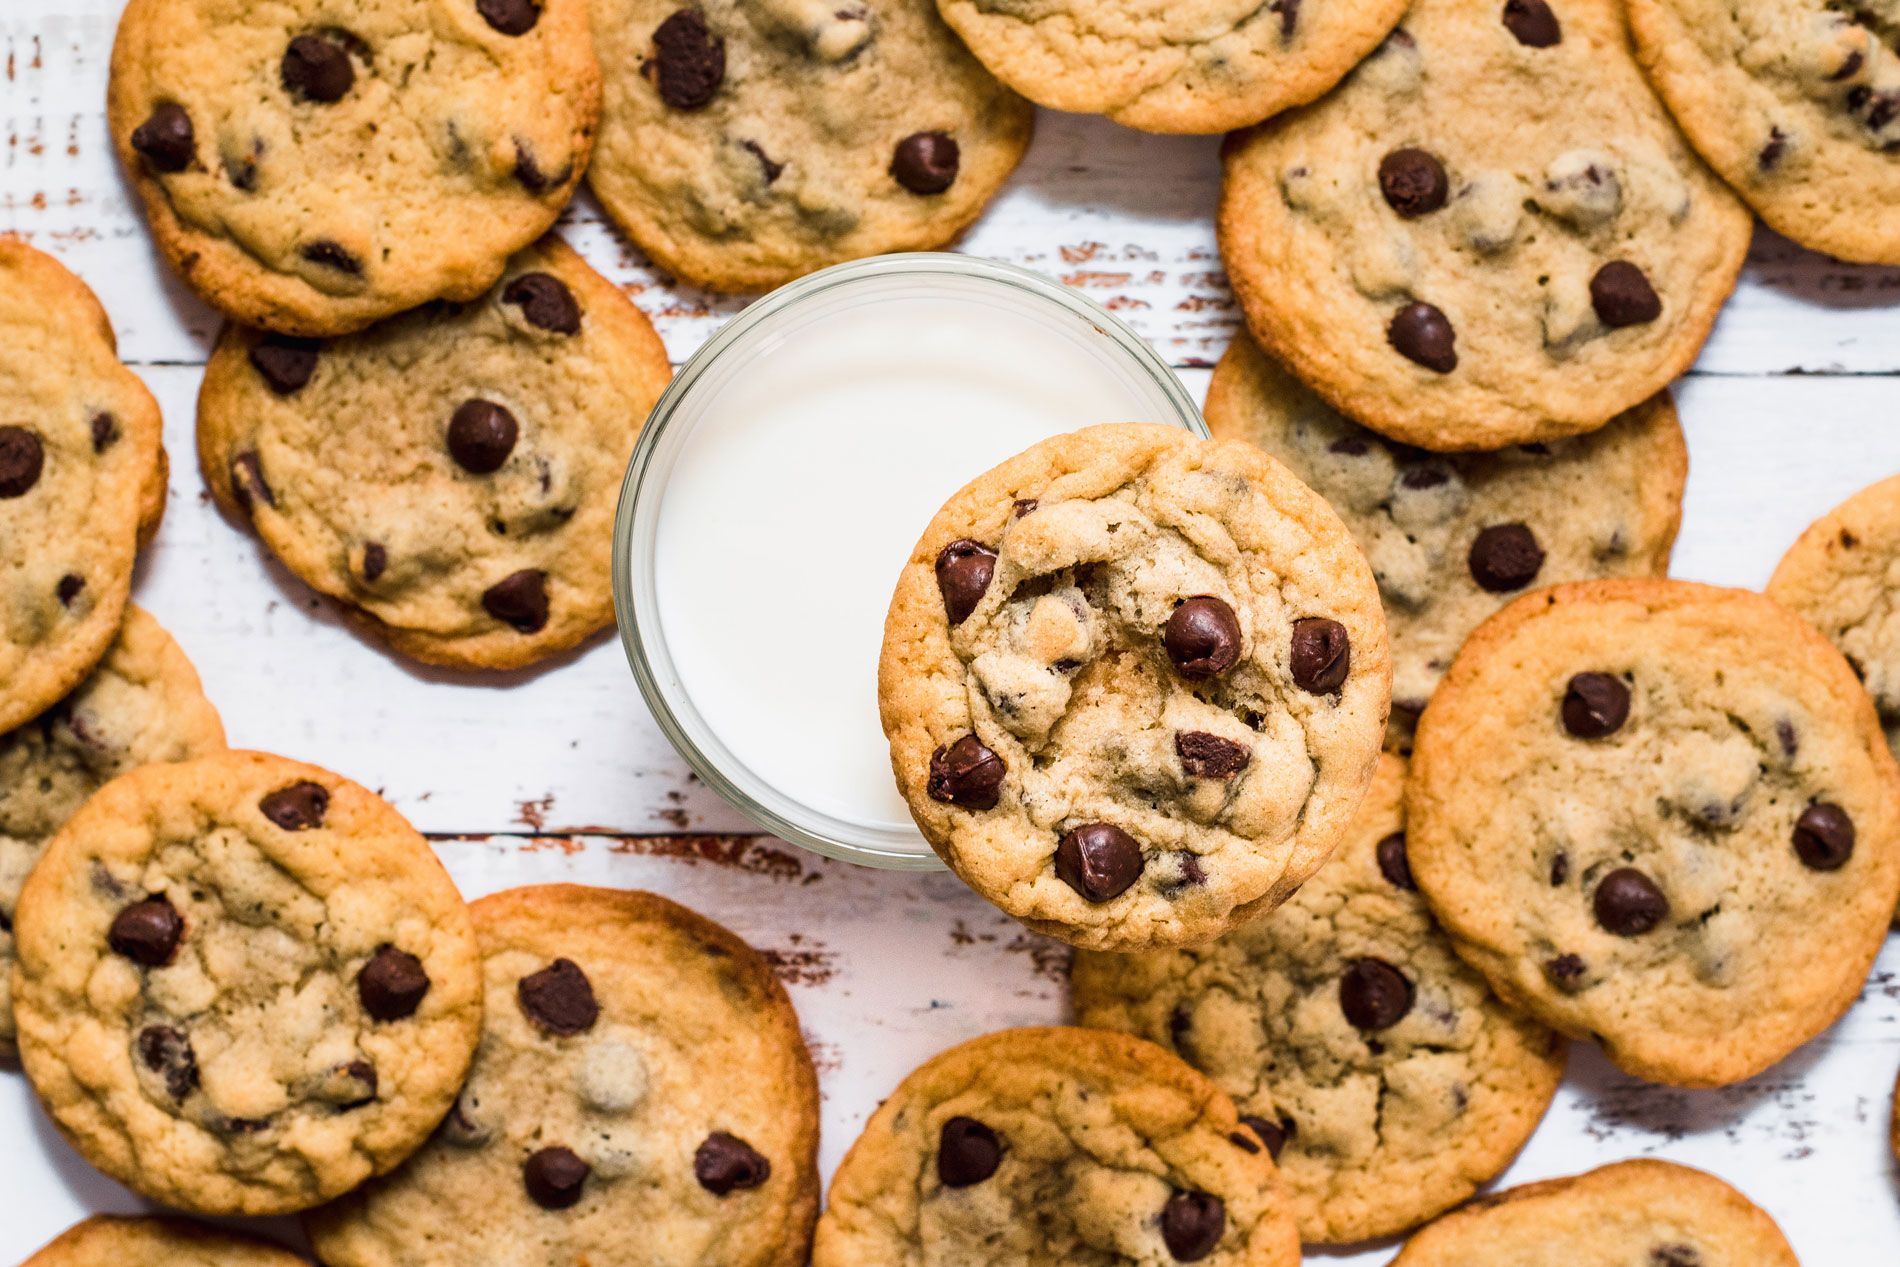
451, 475
1453, 537
244, 984
82, 481
1135, 684
1367, 1058
1453, 252
112, 1241
641, 1074
747, 142
1036, 1146
1650, 1212
1796, 103
1661, 815
313, 167
1171, 67
143, 704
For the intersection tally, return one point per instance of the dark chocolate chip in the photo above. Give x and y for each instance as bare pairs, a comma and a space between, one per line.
559, 998
1423, 334
966, 773
1192, 1224
167, 1052
1628, 903
1559, 869
510, 17
1505, 557
248, 484
1350, 446
1206, 756
285, 363
375, 560
767, 168
528, 170
1532, 22
1394, 865
1622, 296
331, 255
318, 69
1850, 65
1202, 637
1244, 1141
357, 1083
1675, 1256
1289, 11
22, 458
519, 600
1374, 995
964, 569
1785, 735
1273, 1134
298, 807
70, 587
1771, 151
1423, 477
725, 1163
1098, 860
166, 138
926, 162
554, 1177
545, 302
1023, 506
105, 432
392, 984
1565, 972
968, 1152
1413, 182
1322, 655
689, 61
481, 436
1824, 836
1595, 705
147, 932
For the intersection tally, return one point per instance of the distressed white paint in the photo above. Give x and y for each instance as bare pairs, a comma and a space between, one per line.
886, 968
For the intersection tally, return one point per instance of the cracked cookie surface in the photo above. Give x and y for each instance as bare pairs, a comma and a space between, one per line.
1649, 1212
748, 142
82, 481
1450, 251
111, 1241
312, 167
450, 475
1135, 684
1203, 66
143, 704
1061, 1145
1796, 103
1453, 537
1372, 1062
1661, 815
244, 984
641, 1072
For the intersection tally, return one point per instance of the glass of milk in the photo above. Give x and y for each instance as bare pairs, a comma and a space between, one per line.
781, 484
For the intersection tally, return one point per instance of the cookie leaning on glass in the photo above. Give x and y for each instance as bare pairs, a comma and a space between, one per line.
1135, 685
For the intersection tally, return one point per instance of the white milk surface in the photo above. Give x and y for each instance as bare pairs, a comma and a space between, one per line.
803, 486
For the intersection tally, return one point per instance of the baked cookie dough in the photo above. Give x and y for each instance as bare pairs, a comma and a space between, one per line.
1204, 66
1796, 103
82, 481
1372, 1063
1071, 1146
106, 1240
313, 167
748, 142
449, 476
143, 704
244, 985
1661, 815
1453, 537
1135, 684
1454, 252
641, 1076
1650, 1212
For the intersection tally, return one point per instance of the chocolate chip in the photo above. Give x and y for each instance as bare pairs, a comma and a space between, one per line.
1824, 836
559, 998
767, 168
1565, 972
1850, 65
392, 984
375, 560
545, 302
530, 173
510, 17
1098, 860
248, 485
1273, 1134
1622, 296
1505, 557
1628, 903
1349, 446
147, 932
105, 432
481, 436
317, 69
966, 773
1786, 737
285, 363
725, 1163
298, 807
69, 588
22, 458
167, 1053
1206, 756
1413, 182
1417, 478
331, 255
1532, 22
689, 61
1394, 865
1595, 705
356, 1084
519, 600
1559, 869
1772, 150
166, 138
1374, 995
1192, 1224
1289, 11
1423, 334
1675, 1256
554, 1178
1202, 637
1322, 655
1023, 506
968, 1152
964, 569
926, 162
1244, 1141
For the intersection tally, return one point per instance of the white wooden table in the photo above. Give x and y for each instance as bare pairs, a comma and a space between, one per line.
559, 774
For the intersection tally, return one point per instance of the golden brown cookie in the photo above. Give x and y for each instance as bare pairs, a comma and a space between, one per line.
106, 1240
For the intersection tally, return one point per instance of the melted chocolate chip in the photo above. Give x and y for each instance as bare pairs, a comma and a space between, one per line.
725, 1163
22, 459
1532, 22
1772, 150
1374, 995
1244, 1141
559, 998
70, 587
1413, 182
968, 1152
545, 302
1423, 334
554, 1178
1289, 11
1394, 865
689, 61
285, 363
1565, 972
966, 773
357, 1084
105, 432
1675, 1256
167, 1052
1202, 637
519, 600
1595, 705
1322, 655
1273, 1134
481, 436
392, 984
318, 69
298, 807
166, 139
147, 932
528, 170
926, 162
1098, 860
510, 17
248, 485
964, 569
1023, 506
1824, 837
1192, 1224
1206, 756
331, 255
375, 560
1622, 296
1505, 557
1628, 903
768, 169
